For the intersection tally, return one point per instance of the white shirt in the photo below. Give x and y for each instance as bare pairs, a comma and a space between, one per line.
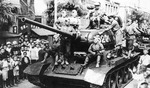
144, 60
5, 63
8, 49
34, 53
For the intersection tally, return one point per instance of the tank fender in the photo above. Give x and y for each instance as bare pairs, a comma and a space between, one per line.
35, 69
94, 77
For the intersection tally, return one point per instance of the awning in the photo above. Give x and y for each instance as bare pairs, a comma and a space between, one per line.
7, 34
42, 32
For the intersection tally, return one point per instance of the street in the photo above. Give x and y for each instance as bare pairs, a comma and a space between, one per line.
132, 84
25, 84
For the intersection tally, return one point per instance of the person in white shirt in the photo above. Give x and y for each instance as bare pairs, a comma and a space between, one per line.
34, 53
144, 61
16, 69
5, 72
8, 46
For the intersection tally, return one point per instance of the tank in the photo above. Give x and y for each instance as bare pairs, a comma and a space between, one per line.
112, 73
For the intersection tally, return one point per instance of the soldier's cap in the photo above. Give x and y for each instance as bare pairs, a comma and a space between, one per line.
97, 4
111, 16
8, 43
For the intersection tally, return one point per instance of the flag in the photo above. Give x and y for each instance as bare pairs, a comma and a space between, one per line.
24, 7
31, 9
27, 8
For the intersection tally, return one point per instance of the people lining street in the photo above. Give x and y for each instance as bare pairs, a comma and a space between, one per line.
16, 56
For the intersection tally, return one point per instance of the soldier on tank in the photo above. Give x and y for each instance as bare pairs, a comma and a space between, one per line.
58, 49
62, 20
130, 31
115, 28
74, 20
94, 17
144, 26
95, 50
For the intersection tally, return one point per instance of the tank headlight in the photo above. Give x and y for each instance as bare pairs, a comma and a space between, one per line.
109, 56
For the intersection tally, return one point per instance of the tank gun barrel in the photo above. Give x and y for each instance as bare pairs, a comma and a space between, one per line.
47, 27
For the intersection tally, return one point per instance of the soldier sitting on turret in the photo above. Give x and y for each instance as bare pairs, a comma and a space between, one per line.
74, 20
95, 50
63, 22
94, 17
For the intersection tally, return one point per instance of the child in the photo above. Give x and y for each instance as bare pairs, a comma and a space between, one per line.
5, 72
25, 62
16, 69
10, 72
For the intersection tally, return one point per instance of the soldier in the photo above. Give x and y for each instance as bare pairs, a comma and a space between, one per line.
114, 25
62, 21
135, 27
115, 28
144, 27
74, 20
131, 30
95, 50
94, 17
56, 47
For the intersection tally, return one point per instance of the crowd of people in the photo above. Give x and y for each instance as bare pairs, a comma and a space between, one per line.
16, 56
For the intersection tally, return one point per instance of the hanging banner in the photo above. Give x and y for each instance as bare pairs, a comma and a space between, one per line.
40, 7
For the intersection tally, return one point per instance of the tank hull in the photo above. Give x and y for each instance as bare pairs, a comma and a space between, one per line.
114, 76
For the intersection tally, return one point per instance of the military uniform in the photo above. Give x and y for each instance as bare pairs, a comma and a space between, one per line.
95, 50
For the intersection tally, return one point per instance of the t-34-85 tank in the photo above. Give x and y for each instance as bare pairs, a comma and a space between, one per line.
112, 73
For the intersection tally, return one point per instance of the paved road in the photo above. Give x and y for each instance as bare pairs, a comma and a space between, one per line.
25, 84
132, 84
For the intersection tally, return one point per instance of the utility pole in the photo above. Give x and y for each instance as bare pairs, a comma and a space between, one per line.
55, 12
138, 4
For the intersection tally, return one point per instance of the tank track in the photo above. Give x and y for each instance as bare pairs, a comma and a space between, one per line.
120, 76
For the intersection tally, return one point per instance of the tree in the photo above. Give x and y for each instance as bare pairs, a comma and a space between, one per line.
7, 13
50, 13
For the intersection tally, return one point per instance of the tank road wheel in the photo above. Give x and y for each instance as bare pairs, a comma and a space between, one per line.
119, 78
111, 81
125, 75
131, 67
